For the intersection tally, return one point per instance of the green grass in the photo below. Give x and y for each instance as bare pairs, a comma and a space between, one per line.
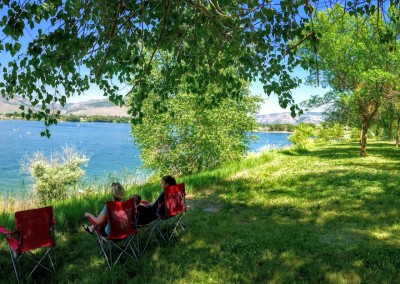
319, 216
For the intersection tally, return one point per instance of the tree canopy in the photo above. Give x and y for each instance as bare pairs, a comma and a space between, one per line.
52, 50
358, 57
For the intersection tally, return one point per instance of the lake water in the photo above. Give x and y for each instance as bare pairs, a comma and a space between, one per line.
109, 146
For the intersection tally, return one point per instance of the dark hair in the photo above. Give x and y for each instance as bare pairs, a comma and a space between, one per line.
138, 198
170, 180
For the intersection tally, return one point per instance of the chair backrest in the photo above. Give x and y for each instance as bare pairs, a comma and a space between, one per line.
34, 227
174, 199
120, 218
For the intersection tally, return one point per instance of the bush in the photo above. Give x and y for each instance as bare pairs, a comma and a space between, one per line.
331, 133
355, 134
53, 175
302, 137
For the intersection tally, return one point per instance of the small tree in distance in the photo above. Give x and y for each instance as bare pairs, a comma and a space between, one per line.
302, 137
53, 175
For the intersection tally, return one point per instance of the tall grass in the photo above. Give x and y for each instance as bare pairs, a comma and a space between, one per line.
319, 216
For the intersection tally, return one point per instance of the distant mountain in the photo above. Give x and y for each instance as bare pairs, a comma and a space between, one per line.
92, 107
95, 107
285, 118
106, 108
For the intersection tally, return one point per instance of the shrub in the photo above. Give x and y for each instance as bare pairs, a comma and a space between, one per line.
302, 137
355, 134
331, 133
53, 175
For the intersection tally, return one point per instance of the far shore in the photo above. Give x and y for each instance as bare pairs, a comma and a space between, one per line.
267, 131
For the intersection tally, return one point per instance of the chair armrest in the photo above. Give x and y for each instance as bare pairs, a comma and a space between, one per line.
4, 231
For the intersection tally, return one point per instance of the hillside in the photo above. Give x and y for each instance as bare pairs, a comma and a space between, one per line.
106, 108
92, 107
313, 117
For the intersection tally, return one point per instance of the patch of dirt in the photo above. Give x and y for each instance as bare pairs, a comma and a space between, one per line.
200, 204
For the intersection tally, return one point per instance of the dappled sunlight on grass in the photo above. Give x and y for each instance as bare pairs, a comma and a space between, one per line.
290, 259
203, 276
343, 277
321, 216
388, 234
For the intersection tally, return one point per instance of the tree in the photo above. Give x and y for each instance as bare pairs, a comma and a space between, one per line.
302, 137
52, 50
386, 119
189, 133
357, 56
394, 103
330, 132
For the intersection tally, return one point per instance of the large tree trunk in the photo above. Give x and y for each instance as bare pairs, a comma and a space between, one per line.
368, 112
391, 130
364, 131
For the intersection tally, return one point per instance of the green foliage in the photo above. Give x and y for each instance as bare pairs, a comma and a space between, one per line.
72, 118
279, 127
95, 118
359, 58
191, 137
13, 114
330, 133
52, 175
355, 134
55, 50
58, 49
302, 137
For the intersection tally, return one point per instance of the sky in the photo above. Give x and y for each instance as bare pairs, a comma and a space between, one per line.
271, 105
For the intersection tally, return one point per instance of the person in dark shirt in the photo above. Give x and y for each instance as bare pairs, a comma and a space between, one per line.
149, 213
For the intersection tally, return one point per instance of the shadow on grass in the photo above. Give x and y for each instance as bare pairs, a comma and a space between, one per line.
349, 150
337, 224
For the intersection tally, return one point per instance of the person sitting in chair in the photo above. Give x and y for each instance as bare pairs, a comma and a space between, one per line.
117, 192
149, 213
160, 202
138, 199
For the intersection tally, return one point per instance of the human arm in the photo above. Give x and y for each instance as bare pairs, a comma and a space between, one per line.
101, 219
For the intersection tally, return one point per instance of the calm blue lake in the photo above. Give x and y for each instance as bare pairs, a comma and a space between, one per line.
109, 146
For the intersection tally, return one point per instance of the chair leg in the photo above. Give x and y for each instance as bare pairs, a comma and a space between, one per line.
124, 250
15, 262
39, 260
51, 262
151, 234
102, 245
178, 224
110, 254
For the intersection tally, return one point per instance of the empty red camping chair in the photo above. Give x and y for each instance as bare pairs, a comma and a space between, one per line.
175, 207
121, 218
34, 230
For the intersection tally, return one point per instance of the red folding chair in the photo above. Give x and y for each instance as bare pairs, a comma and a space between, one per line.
121, 218
172, 221
34, 230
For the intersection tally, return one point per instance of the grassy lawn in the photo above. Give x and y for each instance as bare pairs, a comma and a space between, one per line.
322, 216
